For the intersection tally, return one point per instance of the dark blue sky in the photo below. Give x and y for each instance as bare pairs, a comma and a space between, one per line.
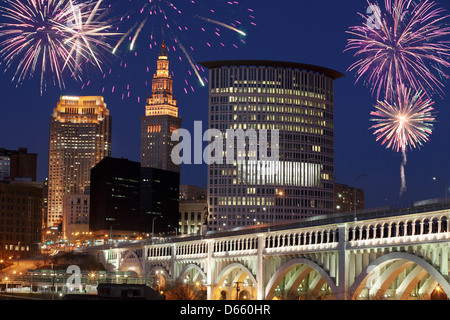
305, 31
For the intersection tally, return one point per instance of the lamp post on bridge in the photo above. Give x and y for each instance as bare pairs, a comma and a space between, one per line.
153, 228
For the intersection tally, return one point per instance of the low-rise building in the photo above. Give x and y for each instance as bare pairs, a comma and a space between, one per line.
20, 219
192, 216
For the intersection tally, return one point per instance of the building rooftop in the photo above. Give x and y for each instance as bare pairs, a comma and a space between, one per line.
276, 64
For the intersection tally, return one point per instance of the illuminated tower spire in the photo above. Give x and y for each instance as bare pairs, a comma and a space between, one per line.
162, 100
161, 119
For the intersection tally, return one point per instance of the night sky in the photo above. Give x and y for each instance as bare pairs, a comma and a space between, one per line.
311, 32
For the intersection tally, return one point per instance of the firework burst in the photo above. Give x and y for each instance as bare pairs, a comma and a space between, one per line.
407, 44
404, 124
55, 38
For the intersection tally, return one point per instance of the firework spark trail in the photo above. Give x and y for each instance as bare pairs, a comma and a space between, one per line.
136, 35
179, 24
223, 25
402, 173
122, 39
51, 36
193, 66
407, 48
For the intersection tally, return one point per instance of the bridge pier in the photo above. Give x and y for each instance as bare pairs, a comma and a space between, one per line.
343, 264
260, 269
209, 271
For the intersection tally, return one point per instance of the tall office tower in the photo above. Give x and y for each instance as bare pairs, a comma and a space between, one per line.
160, 120
80, 137
297, 100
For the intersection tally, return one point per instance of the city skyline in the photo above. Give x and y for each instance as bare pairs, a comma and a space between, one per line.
321, 43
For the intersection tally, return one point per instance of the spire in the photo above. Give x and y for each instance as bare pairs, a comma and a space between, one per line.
163, 49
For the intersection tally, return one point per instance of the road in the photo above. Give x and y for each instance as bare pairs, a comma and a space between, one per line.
22, 266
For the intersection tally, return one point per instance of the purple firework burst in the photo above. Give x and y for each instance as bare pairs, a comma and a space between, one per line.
407, 44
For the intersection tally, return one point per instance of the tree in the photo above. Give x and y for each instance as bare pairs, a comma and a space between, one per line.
180, 291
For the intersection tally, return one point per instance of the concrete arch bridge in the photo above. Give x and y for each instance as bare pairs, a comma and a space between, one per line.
395, 254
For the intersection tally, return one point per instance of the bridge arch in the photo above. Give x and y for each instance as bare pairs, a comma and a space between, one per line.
158, 270
158, 276
400, 261
190, 267
131, 262
241, 272
300, 275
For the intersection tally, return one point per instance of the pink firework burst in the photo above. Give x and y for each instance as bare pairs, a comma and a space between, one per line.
407, 43
55, 38
405, 123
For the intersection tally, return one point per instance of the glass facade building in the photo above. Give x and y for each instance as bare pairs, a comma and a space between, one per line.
295, 99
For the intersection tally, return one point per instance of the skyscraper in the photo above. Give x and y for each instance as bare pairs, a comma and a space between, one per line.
297, 100
160, 120
80, 137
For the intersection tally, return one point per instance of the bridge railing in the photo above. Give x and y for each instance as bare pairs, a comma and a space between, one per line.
324, 238
315, 233
404, 229
238, 246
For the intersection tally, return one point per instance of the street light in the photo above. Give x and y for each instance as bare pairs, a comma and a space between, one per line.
153, 227
356, 180
445, 185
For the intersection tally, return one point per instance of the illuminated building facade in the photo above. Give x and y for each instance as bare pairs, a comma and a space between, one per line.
297, 100
80, 137
160, 120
